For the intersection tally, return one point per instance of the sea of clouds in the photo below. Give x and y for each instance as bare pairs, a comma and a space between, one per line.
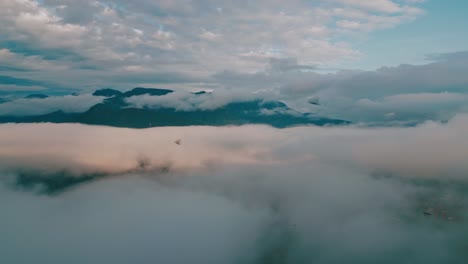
249, 194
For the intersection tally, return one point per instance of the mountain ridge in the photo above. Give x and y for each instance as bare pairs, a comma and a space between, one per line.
115, 111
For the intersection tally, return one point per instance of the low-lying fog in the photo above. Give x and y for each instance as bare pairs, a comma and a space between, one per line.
84, 194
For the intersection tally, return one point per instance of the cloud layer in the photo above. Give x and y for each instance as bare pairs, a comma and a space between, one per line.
248, 194
433, 149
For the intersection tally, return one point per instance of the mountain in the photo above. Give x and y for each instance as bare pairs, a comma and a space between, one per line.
134, 92
107, 93
239, 113
54, 117
200, 93
148, 91
36, 96
52, 183
115, 111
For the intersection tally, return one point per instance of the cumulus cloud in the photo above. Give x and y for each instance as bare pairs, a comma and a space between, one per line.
249, 194
432, 91
412, 107
189, 38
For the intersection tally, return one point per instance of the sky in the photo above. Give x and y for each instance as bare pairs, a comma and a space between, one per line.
63, 44
402, 61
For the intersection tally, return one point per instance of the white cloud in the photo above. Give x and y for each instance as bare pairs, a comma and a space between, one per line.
146, 223
385, 6
347, 24
414, 151
415, 93
196, 38
27, 19
22, 62
185, 101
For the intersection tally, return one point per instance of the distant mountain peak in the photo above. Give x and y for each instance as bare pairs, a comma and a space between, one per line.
148, 91
273, 104
114, 110
107, 92
36, 96
201, 93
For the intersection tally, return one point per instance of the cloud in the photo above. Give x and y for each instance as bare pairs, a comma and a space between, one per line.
130, 223
185, 101
385, 6
413, 93
27, 19
17, 88
62, 45
188, 38
68, 104
8, 80
297, 195
94, 149
26, 63
441, 83
413, 107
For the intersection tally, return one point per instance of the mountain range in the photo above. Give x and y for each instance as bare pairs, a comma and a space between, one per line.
115, 111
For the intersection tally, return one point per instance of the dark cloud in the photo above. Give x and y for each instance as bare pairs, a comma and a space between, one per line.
30, 49
9, 80
12, 69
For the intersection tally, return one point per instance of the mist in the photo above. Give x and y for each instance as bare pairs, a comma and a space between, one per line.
248, 194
